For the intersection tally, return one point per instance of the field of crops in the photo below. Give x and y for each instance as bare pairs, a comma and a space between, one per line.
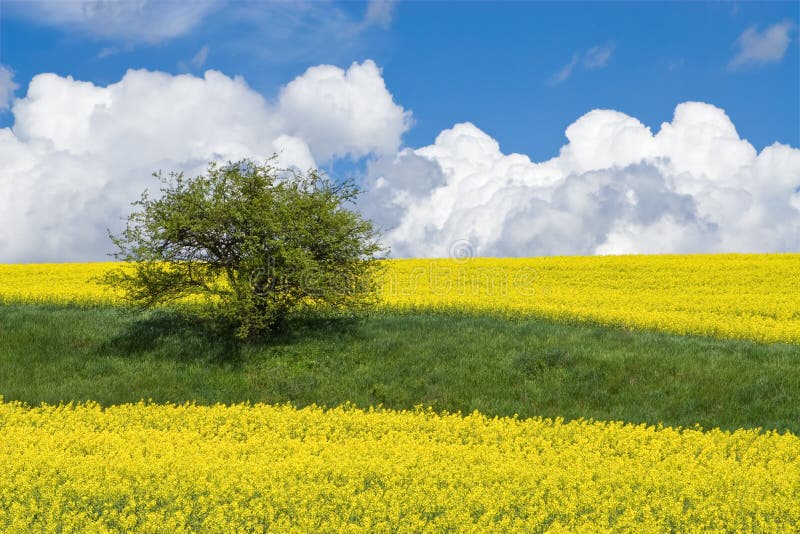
244, 468
755, 297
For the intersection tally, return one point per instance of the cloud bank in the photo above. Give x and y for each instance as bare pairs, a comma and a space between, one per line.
79, 153
615, 187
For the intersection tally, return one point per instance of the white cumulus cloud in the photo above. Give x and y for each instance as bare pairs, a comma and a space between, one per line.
615, 187
343, 112
79, 153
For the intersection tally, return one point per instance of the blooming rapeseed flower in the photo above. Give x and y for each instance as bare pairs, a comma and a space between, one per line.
243, 468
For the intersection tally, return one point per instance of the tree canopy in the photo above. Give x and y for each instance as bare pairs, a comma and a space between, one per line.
251, 242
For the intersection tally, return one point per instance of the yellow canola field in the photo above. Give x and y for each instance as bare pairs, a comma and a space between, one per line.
741, 296
242, 468
747, 296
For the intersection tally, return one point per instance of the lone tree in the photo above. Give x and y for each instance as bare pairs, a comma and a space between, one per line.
248, 242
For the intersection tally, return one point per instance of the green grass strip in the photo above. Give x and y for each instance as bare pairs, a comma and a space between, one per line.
453, 362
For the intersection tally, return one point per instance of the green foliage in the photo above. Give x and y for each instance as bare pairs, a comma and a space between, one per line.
249, 243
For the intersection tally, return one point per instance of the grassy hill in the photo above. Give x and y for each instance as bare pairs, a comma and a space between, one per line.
450, 361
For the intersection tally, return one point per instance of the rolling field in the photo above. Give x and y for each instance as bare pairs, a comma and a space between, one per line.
576, 385
734, 296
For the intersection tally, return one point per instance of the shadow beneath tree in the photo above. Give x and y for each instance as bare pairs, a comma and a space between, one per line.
186, 337
181, 336
303, 327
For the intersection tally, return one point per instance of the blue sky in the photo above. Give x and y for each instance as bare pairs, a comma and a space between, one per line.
520, 128
488, 63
